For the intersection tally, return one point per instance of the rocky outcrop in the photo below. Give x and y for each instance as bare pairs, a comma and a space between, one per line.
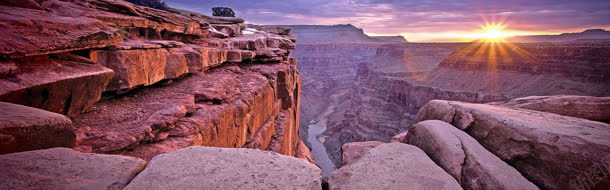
171, 78
464, 158
392, 166
63, 168
60, 86
221, 168
24, 128
586, 107
551, 150
351, 152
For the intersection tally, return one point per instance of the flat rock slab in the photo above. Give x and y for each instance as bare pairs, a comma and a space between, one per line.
27, 32
225, 168
63, 168
464, 158
392, 166
351, 152
551, 150
586, 107
24, 128
64, 87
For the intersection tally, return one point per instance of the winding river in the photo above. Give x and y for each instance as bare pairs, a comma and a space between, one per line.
317, 148
314, 132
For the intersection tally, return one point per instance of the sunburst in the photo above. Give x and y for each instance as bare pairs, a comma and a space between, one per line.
494, 32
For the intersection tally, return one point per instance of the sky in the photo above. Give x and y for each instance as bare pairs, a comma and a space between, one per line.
422, 20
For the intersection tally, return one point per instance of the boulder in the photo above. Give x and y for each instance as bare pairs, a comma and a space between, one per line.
24, 128
586, 107
464, 158
226, 168
63, 168
392, 166
400, 137
223, 12
551, 150
351, 152
59, 86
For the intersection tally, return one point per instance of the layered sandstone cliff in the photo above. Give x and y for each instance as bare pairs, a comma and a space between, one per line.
169, 79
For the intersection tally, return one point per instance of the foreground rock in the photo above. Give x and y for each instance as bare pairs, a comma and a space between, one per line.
400, 137
62, 168
464, 158
586, 107
221, 168
550, 150
24, 128
392, 166
351, 152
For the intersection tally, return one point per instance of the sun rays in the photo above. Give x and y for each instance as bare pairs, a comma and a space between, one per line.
494, 32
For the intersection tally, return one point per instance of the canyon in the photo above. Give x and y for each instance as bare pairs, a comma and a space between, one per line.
376, 89
106, 94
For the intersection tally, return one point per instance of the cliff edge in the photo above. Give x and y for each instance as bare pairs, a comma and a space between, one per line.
111, 77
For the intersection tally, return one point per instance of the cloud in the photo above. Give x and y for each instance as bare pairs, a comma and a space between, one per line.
418, 16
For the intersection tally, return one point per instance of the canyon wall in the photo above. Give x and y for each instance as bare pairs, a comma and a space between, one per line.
138, 81
327, 70
391, 86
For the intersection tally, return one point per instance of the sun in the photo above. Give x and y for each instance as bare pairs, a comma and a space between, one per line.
493, 32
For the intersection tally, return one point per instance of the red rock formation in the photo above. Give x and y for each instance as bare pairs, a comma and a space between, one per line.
24, 128
351, 152
178, 85
63, 168
551, 150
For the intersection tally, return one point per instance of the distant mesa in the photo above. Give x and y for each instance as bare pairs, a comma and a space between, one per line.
397, 39
590, 34
342, 33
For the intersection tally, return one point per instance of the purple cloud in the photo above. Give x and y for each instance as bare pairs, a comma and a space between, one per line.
418, 16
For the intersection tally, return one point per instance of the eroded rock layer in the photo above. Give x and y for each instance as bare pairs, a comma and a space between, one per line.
171, 78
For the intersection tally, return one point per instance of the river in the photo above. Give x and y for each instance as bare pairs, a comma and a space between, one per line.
318, 150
